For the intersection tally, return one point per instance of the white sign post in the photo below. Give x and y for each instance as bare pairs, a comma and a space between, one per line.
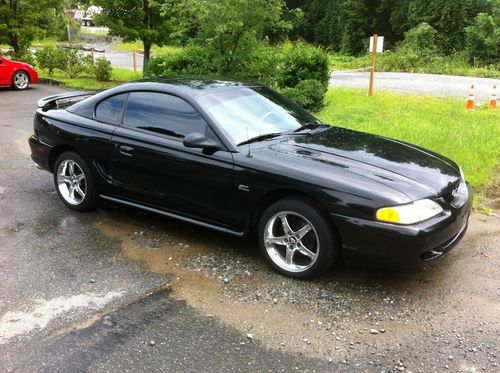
376, 46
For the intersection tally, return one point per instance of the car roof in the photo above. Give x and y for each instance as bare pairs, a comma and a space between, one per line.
189, 85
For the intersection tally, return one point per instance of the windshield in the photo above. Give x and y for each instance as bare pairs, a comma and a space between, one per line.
258, 109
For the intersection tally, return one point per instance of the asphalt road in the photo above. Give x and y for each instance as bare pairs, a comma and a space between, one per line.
428, 84
120, 290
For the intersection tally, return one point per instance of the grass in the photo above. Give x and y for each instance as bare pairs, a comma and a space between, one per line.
138, 46
470, 138
119, 76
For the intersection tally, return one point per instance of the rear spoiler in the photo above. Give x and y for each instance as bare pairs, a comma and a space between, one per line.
63, 100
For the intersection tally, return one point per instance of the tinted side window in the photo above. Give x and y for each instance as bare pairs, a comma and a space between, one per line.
110, 109
162, 113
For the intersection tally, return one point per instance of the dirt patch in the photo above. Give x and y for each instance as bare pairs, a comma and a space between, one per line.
335, 316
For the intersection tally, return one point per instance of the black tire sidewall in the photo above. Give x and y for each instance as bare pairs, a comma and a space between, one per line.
90, 200
13, 80
328, 246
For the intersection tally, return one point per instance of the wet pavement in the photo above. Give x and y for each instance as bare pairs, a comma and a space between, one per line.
119, 289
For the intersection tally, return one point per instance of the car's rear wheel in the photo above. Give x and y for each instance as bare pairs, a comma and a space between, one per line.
296, 238
74, 182
21, 80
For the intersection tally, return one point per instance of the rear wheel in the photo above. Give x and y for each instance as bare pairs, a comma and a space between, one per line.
74, 182
20, 80
296, 238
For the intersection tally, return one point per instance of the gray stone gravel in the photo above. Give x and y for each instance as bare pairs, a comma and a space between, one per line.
428, 84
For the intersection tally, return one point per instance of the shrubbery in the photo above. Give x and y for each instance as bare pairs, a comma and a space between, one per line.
308, 93
73, 63
50, 58
297, 69
102, 69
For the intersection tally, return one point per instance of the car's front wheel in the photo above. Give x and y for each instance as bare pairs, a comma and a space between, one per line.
74, 182
296, 238
20, 80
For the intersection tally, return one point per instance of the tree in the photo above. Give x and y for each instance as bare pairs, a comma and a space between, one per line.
21, 21
230, 29
151, 21
483, 39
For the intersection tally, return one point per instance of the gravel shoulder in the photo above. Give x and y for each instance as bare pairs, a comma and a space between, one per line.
413, 83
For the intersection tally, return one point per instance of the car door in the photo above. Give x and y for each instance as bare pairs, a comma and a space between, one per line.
151, 165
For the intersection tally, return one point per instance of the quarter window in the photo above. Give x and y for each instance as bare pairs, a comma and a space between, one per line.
162, 113
110, 110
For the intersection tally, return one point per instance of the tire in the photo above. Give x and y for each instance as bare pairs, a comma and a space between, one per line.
74, 182
283, 243
20, 80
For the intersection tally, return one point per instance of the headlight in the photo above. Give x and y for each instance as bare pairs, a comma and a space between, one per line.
411, 213
461, 173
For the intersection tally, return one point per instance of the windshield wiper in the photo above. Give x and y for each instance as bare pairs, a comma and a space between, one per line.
260, 138
310, 125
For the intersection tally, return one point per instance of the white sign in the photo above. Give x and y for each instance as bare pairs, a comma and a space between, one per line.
380, 44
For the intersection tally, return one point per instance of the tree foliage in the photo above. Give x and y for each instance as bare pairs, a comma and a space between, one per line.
151, 21
230, 29
483, 39
344, 25
21, 21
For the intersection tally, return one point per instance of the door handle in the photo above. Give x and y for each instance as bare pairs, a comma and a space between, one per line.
126, 150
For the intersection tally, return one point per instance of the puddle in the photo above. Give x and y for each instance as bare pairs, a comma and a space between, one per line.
335, 323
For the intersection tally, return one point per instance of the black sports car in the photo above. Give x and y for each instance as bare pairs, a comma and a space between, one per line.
240, 158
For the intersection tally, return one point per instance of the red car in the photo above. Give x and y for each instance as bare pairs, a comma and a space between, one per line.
18, 75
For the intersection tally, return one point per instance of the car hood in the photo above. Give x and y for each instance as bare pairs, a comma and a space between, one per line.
414, 171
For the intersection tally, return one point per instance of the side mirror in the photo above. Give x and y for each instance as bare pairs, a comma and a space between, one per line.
198, 140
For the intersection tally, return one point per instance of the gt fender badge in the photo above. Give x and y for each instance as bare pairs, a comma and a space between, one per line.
244, 188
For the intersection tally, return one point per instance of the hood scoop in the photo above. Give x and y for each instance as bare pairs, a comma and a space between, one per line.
307, 153
295, 150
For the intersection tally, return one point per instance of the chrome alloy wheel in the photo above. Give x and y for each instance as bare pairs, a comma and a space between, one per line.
71, 182
21, 80
291, 241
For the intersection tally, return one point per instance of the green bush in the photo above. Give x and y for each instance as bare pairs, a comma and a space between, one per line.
417, 50
308, 94
300, 69
75, 62
102, 69
301, 61
23, 55
191, 60
483, 40
50, 58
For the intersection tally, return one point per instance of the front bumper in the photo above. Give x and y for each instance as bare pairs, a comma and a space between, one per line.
382, 244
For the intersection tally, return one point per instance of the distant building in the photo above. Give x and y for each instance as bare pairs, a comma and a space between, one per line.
91, 11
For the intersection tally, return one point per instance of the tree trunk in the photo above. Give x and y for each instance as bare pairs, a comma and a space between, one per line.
14, 43
147, 52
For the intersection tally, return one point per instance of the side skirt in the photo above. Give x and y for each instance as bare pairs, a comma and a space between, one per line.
174, 216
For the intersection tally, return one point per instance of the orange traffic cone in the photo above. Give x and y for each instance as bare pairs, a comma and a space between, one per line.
493, 99
470, 100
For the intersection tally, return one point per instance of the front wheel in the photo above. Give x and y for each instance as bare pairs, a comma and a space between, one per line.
20, 80
74, 182
296, 238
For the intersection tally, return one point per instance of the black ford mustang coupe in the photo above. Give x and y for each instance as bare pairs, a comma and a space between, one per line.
240, 158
